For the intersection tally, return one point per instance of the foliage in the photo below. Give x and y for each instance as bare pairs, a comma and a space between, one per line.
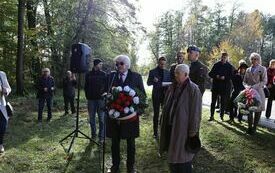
235, 53
212, 30
51, 27
168, 38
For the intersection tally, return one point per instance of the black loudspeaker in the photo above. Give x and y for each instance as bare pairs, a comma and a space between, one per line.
80, 58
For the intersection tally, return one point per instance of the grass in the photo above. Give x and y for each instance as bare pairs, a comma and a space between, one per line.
32, 149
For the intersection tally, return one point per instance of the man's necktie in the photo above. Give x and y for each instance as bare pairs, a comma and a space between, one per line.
120, 80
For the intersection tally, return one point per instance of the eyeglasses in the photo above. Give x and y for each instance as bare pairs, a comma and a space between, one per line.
254, 59
120, 63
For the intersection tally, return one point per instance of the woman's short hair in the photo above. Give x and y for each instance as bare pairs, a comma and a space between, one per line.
183, 68
271, 62
125, 59
242, 61
255, 55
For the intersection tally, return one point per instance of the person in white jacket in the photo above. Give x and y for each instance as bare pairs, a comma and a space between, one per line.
5, 89
255, 77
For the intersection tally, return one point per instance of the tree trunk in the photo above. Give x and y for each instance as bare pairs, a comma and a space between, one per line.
35, 66
20, 49
57, 67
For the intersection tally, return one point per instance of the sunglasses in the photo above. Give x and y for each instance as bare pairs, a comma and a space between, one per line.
120, 63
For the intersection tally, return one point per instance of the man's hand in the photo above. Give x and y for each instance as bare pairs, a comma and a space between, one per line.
156, 79
222, 77
46, 89
218, 76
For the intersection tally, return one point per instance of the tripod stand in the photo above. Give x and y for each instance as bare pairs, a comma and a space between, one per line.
75, 134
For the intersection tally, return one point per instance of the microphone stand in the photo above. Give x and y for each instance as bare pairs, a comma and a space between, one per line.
105, 119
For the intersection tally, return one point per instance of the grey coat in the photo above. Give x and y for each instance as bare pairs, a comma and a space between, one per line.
257, 81
186, 122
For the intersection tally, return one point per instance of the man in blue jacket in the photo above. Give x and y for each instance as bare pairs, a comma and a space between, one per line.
45, 87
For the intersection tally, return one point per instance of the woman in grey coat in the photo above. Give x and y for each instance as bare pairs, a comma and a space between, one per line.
255, 77
5, 89
180, 119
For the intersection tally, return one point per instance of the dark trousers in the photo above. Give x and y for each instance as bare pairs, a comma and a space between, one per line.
232, 106
224, 99
41, 103
67, 101
269, 101
156, 107
3, 126
181, 167
157, 101
253, 121
131, 150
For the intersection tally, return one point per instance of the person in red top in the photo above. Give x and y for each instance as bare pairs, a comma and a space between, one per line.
270, 86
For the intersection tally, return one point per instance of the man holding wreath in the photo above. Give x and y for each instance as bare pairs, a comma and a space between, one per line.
128, 129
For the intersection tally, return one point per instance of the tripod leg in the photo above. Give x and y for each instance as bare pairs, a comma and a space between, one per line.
71, 144
69, 135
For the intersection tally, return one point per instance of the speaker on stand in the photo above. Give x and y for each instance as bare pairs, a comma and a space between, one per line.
79, 64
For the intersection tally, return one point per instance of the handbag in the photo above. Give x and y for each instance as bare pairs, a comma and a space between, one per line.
193, 144
266, 92
9, 109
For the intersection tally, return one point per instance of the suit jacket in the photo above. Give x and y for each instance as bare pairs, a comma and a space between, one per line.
45, 82
124, 129
158, 90
226, 70
198, 74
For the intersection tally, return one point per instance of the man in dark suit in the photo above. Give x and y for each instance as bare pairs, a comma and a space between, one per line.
221, 73
124, 129
198, 71
156, 78
180, 59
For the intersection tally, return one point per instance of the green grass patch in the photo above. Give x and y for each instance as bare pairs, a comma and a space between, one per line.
34, 149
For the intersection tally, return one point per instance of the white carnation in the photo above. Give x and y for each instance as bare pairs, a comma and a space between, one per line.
126, 110
119, 88
132, 109
116, 114
132, 93
111, 112
136, 100
126, 88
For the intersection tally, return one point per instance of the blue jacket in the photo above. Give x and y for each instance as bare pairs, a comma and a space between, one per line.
45, 82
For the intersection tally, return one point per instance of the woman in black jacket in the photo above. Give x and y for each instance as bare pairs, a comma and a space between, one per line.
237, 80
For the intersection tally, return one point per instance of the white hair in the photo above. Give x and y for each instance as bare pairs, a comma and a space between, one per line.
46, 70
255, 55
125, 59
183, 68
